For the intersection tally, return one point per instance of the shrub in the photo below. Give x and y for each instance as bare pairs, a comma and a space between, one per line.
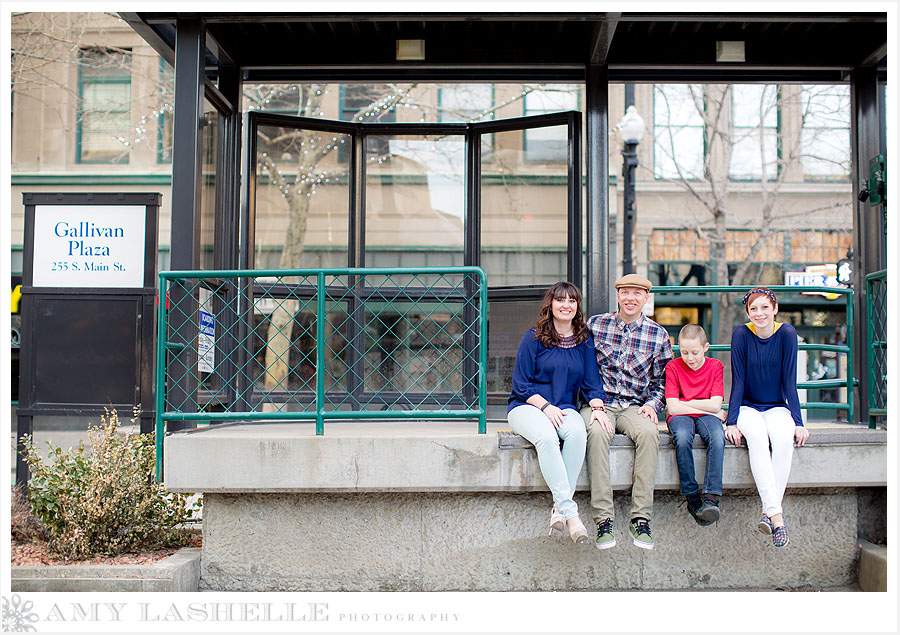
105, 501
24, 526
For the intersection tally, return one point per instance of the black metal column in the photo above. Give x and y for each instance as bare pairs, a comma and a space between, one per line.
471, 258
357, 258
597, 208
227, 223
629, 163
185, 233
868, 222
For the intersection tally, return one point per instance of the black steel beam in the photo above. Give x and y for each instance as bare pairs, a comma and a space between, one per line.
186, 162
868, 225
574, 211
597, 174
602, 38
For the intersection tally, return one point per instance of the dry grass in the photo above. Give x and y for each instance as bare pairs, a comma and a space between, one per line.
25, 527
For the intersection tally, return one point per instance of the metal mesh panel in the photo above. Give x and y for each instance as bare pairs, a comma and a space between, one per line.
876, 309
321, 342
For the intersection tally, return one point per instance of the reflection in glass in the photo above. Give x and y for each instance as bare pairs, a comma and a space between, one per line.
524, 215
415, 201
209, 148
677, 131
302, 199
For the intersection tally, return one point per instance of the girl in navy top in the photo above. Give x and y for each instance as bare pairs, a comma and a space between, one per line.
764, 406
555, 360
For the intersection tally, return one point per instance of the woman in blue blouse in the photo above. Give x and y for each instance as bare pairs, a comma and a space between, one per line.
555, 360
764, 406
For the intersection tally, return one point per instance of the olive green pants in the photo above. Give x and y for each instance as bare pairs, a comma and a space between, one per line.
645, 435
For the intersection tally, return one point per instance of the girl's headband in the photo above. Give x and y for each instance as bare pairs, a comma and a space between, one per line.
760, 290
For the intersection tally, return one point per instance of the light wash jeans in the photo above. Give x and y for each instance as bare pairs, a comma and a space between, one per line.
770, 470
560, 469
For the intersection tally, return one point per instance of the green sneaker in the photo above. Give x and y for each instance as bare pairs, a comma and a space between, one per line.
640, 529
606, 534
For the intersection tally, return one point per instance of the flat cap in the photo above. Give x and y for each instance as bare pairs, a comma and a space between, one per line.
634, 280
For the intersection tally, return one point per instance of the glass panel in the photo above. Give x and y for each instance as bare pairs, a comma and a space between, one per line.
507, 323
755, 115
209, 152
826, 131
549, 144
302, 199
524, 215
678, 131
413, 352
415, 201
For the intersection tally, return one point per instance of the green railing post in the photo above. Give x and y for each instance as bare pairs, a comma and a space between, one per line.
161, 375
851, 413
482, 354
320, 353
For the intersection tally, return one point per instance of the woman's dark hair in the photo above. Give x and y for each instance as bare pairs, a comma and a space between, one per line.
543, 329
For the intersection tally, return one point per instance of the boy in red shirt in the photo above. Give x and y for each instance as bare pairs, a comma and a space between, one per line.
695, 389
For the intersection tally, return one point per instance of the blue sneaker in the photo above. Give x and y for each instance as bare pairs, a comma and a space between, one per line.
765, 525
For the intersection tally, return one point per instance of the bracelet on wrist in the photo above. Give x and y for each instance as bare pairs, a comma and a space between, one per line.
601, 408
544, 407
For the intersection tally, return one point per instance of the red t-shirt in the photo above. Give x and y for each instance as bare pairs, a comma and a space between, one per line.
683, 384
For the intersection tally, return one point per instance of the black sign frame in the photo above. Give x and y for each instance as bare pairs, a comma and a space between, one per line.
83, 317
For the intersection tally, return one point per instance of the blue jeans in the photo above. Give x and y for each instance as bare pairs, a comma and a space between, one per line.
560, 469
709, 427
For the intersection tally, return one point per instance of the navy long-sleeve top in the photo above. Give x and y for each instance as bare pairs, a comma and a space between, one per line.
764, 371
555, 373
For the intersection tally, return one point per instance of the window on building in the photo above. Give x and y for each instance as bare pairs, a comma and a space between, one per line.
754, 148
104, 131
368, 102
284, 99
549, 144
165, 112
466, 103
825, 112
678, 140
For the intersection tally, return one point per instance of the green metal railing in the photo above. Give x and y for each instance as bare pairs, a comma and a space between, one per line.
876, 343
317, 344
849, 382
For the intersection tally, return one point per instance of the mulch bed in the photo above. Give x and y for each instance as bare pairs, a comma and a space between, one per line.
36, 554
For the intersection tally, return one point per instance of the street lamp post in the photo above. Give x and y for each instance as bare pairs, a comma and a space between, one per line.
632, 130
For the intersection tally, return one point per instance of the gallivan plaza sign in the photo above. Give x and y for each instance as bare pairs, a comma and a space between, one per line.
89, 246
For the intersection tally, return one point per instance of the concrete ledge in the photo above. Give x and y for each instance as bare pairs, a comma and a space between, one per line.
872, 574
178, 572
496, 541
452, 457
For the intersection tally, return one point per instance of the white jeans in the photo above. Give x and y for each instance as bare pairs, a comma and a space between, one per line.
559, 469
770, 470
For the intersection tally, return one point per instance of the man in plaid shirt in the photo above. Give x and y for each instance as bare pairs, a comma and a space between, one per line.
632, 353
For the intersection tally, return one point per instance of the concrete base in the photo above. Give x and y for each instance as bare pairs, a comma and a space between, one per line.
872, 567
418, 506
499, 542
178, 572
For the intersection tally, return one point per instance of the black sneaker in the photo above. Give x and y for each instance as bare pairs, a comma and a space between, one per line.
709, 510
695, 505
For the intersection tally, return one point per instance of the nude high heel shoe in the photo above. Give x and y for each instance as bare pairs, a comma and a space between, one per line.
577, 531
557, 521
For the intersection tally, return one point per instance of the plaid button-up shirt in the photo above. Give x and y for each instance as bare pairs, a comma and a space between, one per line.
632, 359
